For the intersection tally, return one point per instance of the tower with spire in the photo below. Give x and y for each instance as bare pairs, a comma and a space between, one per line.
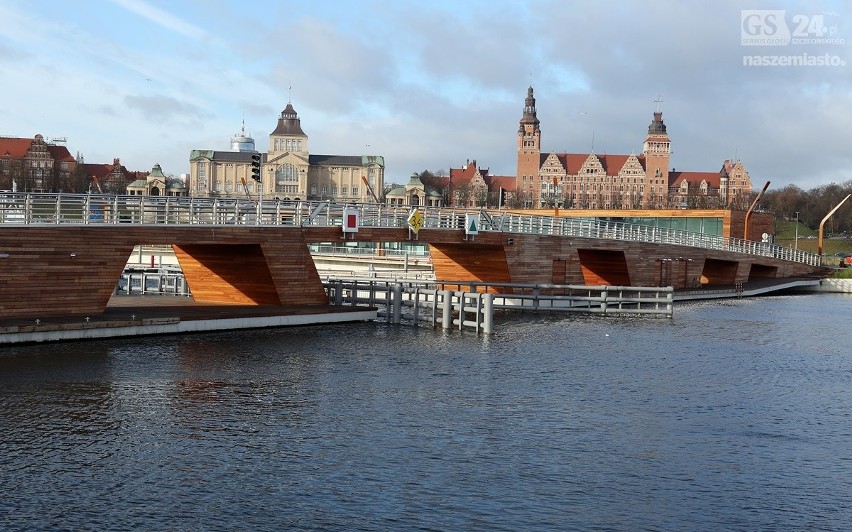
529, 148
288, 136
657, 150
288, 170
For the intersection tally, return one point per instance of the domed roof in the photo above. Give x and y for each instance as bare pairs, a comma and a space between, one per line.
288, 123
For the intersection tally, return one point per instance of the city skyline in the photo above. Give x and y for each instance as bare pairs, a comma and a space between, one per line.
429, 86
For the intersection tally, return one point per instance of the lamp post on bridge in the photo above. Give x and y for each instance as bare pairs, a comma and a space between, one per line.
796, 244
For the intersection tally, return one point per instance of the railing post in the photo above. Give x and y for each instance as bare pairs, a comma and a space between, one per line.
338, 293
604, 296
460, 305
670, 303
488, 312
397, 302
446, 309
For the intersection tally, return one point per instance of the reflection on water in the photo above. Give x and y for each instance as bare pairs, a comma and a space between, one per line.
734, 415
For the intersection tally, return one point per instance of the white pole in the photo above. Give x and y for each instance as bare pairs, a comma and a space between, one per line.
447, 309
797, 231
488, 311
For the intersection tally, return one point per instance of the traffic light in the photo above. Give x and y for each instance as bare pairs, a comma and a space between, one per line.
503, 196
255, 166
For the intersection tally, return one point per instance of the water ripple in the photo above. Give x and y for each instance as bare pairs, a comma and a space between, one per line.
729, 416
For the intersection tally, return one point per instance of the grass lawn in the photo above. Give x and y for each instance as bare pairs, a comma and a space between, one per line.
845, 273
786, 236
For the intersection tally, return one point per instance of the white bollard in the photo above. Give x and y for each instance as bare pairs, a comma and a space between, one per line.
488, 313
446, 309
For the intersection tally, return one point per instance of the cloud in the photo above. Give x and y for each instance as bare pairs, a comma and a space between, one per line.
426, 85
161, 18
166, 109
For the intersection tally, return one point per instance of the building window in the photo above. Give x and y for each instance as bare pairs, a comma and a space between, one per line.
283, 175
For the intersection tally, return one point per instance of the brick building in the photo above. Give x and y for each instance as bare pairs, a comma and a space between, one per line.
472, 186
36, 165
633, 181
108, 178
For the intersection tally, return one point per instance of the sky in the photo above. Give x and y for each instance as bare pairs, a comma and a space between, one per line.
429, 85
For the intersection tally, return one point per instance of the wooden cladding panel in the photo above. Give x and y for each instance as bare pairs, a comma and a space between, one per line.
39, 277
531, 259
759, 271
49, 271
721, 272
759, 223
470, 262
234, 273
604, 267
293, 271
72, 270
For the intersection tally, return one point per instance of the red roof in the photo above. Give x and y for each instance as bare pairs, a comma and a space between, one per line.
694, 178
464, 175
59, 153
573, 162
14, 147
612, 164
101, 170
507, 182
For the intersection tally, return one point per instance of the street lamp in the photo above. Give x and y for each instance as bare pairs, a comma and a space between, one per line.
796, 245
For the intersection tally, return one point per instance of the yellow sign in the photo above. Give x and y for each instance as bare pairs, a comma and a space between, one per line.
415, 220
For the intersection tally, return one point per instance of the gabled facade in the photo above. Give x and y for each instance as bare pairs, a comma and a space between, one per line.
288, 170
593, 181
472, 186
35, 165
108, 178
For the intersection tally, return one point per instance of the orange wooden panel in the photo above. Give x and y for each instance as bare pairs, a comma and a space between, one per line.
234, 273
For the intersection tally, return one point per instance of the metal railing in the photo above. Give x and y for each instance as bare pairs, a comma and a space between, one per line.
463, 305
173, 210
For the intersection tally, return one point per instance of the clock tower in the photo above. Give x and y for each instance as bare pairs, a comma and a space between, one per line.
527, 184
657, 150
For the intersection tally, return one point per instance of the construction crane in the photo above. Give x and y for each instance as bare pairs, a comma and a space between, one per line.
97, 185
370, 189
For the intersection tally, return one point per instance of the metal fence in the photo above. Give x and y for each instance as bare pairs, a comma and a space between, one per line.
174, 210
470, 305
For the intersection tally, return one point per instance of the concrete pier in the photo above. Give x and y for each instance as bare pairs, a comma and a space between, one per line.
151, 315
838, 286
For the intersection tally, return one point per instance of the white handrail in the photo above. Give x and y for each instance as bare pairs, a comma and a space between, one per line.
43, 208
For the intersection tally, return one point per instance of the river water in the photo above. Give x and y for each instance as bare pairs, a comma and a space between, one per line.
734, 415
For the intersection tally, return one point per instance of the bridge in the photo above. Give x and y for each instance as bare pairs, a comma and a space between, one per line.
64, 253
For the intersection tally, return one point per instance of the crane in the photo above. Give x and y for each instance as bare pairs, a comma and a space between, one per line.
97, 185
370, 189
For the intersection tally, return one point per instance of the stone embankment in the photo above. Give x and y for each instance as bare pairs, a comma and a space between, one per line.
842, 286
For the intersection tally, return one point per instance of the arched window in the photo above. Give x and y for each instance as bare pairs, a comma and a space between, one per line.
284, 175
